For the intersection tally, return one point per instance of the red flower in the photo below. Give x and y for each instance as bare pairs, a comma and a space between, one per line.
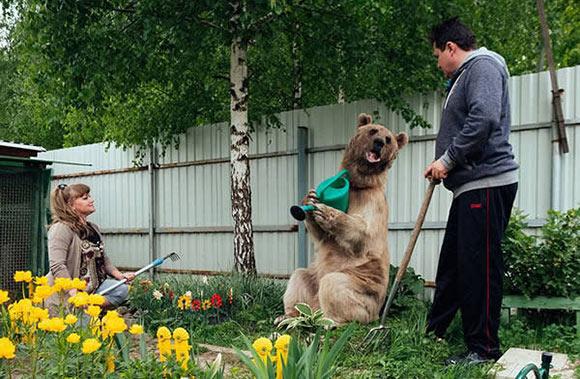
196, 304
216, 300
171, 295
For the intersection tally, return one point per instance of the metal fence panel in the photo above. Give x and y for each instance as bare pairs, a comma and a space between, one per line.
193, 211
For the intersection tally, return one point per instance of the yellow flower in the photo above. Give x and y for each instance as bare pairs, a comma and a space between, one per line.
93, 311
136, 329
38, 314
90, 345
55, 324
110, 363
70, 319
182, 346
206, 305
282, 344
79, 300
4, 297
73, 338
95, 325
180, 335
112, 324
23, 276
78, 284
163, 343
41, 293
7, 348
263, 347
182, 353
41, 281
95, 299
22, 310
62, 284
163, 333
184, 302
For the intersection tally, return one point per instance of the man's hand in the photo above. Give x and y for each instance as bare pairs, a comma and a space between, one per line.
435, 171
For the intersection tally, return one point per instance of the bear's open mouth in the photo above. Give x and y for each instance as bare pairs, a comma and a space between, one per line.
373, 157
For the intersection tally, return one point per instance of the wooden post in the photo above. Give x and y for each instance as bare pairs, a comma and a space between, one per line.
556, 92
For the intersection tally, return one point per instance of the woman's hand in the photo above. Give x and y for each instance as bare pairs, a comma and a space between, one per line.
129, 276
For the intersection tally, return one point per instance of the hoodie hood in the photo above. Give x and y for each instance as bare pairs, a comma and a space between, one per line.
482, 51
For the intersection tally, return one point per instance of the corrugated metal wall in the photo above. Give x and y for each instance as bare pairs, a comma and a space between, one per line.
192, 211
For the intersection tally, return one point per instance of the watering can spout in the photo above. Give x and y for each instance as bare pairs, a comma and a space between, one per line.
332, 192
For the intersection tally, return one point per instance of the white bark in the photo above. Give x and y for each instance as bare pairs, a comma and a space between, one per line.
244, 259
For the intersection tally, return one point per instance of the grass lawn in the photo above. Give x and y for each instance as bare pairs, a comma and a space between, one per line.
406, 353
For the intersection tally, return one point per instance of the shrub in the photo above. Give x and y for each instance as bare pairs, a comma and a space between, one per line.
547, 265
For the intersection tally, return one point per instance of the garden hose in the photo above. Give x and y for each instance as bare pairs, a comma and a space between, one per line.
541, 373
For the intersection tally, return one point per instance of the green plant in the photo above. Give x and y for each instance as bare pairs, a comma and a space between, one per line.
410, 288
307, 322
251, 302
547, 265
313, 361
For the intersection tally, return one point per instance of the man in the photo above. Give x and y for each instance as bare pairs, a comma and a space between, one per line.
475, 161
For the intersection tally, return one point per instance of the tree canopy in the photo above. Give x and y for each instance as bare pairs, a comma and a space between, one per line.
134, 72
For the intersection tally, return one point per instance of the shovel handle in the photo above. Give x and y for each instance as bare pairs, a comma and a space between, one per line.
416, 231
410, 247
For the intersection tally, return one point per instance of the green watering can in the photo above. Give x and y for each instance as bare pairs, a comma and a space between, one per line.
332, 192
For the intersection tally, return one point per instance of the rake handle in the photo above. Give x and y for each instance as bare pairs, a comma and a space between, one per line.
155, 263
410, 247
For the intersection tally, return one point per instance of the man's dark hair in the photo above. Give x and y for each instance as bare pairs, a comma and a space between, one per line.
452, 30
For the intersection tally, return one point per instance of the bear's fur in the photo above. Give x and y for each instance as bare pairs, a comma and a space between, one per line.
348, 279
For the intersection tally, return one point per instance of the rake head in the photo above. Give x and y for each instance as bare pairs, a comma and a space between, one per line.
375, 337
173, 256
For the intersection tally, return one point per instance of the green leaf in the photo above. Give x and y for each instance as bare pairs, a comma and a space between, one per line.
304, 309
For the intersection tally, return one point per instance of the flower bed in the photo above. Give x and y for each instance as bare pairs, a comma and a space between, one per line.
82, 341
193, 302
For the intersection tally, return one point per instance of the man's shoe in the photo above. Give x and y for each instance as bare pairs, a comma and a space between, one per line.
455, 359
468, 358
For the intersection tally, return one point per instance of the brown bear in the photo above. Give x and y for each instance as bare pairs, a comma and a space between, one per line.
348, 279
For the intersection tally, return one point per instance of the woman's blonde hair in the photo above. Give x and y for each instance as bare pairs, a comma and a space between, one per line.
61, 200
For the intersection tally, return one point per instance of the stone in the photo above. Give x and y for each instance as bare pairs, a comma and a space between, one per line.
513, 360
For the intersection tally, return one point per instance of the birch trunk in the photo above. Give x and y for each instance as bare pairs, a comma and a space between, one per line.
244, 259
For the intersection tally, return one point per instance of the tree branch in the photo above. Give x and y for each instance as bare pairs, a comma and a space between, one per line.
255, 26
205, 22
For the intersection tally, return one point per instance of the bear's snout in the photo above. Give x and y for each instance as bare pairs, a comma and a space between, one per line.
378, 145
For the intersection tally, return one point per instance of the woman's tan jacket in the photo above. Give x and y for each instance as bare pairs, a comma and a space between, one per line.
64, 257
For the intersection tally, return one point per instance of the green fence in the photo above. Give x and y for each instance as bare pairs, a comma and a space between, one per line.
24, 189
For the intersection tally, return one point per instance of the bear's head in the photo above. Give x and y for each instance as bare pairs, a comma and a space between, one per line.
371, 151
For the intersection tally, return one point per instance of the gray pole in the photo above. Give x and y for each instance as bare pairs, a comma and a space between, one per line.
302, 189
152, 190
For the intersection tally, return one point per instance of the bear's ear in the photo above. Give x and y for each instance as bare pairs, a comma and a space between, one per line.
364, 119
402, 139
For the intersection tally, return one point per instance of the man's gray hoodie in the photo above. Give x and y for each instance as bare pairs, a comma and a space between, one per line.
475, 125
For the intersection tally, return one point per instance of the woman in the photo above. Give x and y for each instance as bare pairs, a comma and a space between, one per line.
75, 246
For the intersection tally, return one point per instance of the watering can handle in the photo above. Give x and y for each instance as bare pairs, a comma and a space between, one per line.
340, 174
